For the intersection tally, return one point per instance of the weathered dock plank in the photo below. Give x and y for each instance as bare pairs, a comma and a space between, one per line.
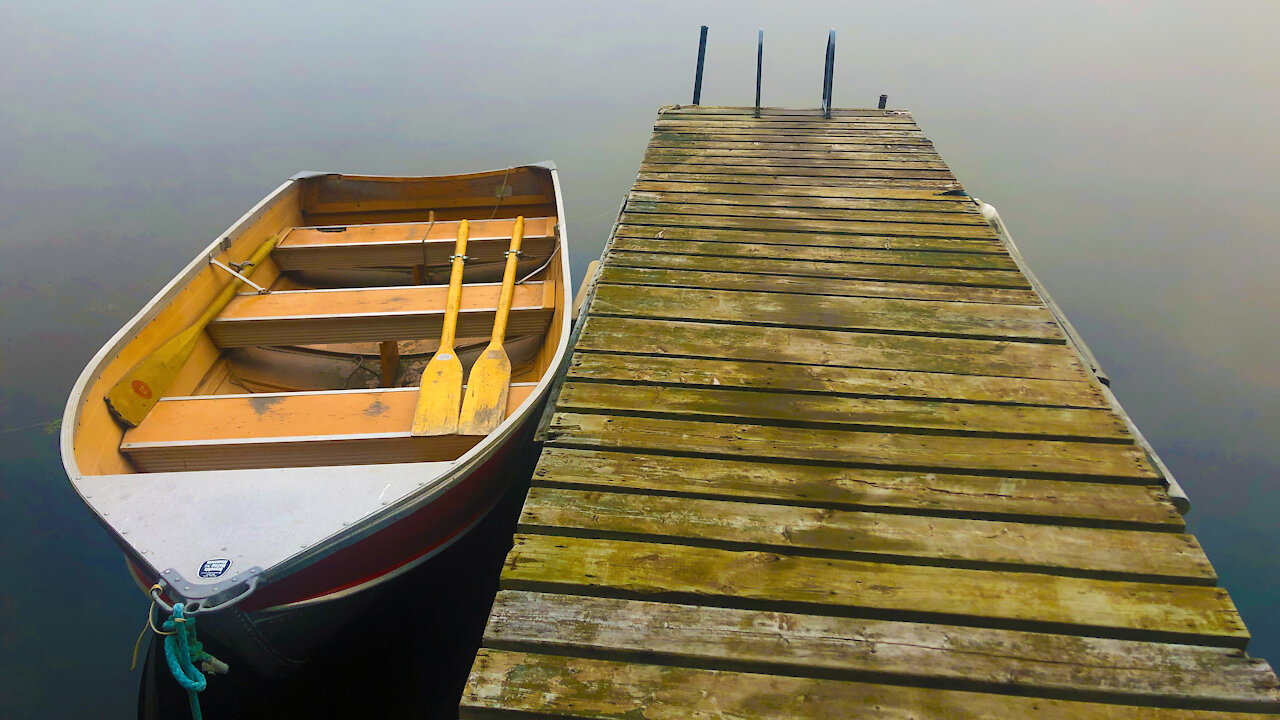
763, 190
805, 285
1188, 614
830, 348
556, 686
833, 411
881, 537
823, 451
851, 158
979, 659
836, 381
686, 196
844, 170
827, 213
980, 277
854, 448
937, 184
988, 245
1063, 502
907, 317
849, 227
817, 253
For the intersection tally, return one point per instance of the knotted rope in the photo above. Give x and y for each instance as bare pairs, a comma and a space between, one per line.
182, 650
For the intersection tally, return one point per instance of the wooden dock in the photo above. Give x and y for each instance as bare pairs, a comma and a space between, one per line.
824, 451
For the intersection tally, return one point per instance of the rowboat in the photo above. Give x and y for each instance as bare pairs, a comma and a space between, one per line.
331, 393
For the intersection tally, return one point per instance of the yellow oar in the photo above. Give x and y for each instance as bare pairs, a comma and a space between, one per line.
486, 403
141, 388
441, 389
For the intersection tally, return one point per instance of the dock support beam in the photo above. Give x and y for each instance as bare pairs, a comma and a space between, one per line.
827, 72
702, 56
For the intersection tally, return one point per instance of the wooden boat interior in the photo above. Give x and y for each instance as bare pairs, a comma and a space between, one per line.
323, 368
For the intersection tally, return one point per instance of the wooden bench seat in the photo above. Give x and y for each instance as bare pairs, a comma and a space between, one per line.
306, 317
406, 244
266, 430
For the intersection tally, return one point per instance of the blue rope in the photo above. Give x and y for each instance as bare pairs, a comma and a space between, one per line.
182, 650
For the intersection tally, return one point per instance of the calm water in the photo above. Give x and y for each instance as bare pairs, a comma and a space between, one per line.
1131, 148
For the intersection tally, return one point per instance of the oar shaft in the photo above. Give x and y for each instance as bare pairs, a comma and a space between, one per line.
455, 287
229, 292
508, 283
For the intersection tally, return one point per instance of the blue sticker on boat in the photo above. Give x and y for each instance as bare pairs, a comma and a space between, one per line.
214, 568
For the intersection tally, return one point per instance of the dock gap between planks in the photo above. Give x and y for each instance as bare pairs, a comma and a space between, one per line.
823, 451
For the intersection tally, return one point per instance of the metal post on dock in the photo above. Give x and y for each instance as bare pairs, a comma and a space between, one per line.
759, 67
702, 56
884, 101
827, 73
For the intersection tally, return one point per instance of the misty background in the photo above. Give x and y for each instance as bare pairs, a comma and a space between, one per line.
1132, 149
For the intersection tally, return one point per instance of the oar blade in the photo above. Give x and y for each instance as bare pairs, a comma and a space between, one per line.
140, 389
439, 396
485, 405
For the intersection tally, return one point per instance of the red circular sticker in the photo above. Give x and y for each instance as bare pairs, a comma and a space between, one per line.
142, 389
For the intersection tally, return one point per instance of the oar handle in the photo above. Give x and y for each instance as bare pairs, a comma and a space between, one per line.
455, 286
508, 283
229, 292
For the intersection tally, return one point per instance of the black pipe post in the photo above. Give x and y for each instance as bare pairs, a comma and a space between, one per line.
759, 67
702, 56
827, 74
884, 100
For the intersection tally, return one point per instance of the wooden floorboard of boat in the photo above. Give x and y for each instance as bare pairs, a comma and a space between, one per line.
307, 317
406, 244
265, 430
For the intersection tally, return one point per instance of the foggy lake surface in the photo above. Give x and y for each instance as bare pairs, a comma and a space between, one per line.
1132, 149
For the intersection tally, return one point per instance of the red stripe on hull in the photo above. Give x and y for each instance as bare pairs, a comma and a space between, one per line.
412, 536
